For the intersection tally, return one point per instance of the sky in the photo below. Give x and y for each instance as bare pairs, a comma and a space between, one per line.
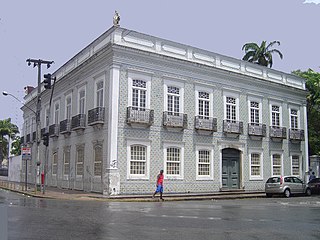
57, 30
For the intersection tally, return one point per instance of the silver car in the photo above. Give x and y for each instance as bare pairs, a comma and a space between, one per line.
286, 185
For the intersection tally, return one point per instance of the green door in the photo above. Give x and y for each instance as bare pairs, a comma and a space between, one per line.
230, 168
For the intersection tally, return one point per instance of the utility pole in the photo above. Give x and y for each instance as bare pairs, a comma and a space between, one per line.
38, 63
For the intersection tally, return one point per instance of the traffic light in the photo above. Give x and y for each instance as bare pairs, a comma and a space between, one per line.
45, 139
47, 81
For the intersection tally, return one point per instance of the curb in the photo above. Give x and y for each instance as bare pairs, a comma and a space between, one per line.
167, 198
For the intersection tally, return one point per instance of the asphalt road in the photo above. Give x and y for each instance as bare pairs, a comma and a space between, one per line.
275, 218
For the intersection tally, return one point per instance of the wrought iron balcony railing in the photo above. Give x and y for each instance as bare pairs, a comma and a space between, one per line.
175, 120
96, 116
140, 116
54, 130
78, 122
296, 134
234, 127
278, 132
256, 129
205, 123
65, 126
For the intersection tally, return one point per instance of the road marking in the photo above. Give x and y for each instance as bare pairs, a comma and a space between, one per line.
215, 218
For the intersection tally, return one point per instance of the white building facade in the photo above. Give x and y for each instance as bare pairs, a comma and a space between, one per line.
130, 104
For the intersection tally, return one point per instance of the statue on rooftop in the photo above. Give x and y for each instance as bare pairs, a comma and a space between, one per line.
116, 19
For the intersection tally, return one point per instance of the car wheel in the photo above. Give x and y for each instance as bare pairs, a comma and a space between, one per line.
308, 192
287, 193
269, 195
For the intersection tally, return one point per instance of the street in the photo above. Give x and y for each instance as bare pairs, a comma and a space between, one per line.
274, 218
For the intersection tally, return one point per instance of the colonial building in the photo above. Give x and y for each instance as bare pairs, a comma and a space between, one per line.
130, 104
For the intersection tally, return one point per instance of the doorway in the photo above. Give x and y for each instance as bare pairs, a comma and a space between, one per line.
230, 169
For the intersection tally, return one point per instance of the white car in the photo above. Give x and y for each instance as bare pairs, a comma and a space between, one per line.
286, 185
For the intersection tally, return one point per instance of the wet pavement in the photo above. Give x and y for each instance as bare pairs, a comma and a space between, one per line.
254, 218
68, 194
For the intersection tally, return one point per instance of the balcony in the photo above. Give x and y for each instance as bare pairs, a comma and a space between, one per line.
139, 116
278, 132
78, 122
54, 130
96, 116
257, 130
175, 120
208, 124
232, 127
296, 135
28, 139
65, 126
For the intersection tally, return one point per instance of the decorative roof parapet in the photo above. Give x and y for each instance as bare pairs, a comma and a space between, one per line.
131, 39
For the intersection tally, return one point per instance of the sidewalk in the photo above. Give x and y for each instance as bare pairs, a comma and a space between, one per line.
68, 194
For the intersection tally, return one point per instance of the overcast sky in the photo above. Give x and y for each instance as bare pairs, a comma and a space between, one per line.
57, 30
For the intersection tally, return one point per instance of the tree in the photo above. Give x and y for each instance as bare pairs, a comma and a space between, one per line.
313, 108
6, 129
262, 54
16, 146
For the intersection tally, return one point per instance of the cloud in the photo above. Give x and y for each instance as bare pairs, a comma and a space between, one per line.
312, 1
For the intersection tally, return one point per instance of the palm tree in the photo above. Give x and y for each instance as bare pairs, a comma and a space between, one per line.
6, 129
262, 54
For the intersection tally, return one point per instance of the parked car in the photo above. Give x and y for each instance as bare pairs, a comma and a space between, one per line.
314, 185
286, 185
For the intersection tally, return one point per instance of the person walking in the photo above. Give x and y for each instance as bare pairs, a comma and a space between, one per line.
159, 185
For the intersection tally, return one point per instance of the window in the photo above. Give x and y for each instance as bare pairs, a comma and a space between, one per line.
173, 100
231, 109
173, 160
66, 161
138, 159
294, 119
204, 164
254, 112
68, 107
275, 115
56, 113
276, 164
231, 106
204, 105
99, 94
82, 101
139, 90
80, 161
295, 164
97, 168
255, 165
54, 163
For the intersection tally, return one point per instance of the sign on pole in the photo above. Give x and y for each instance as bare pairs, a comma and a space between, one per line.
26, 153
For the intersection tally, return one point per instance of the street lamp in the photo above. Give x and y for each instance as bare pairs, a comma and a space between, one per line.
4, 93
